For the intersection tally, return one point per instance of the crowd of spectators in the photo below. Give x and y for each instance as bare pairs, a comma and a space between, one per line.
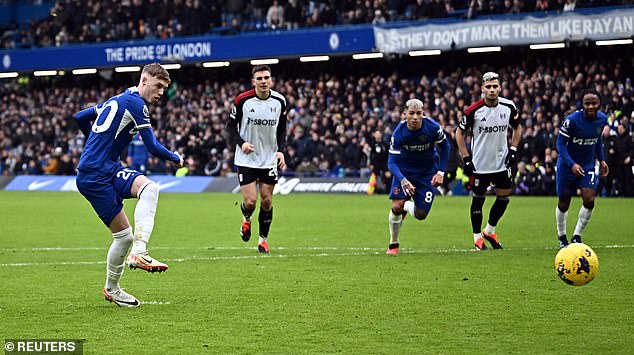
337, 122
79, 21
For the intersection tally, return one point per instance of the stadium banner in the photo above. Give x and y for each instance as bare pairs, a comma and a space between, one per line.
167, 183
333, 40
573, 26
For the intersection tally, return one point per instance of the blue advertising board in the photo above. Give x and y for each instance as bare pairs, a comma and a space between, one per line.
334, 40
167, 183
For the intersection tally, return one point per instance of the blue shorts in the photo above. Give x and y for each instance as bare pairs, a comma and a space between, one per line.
568, 183
424, 195
106, 191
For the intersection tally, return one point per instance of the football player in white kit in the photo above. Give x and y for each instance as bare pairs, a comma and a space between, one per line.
257, 128
492, 161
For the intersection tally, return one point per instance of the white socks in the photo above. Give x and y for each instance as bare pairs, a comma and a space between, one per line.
489, 229
582, 221
410, 207
144, 217
116, 258
561, 218
395, 222
477, 236
261, 239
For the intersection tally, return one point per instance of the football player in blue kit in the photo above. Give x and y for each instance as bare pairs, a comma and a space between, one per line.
579, 144
105, 183
417, 166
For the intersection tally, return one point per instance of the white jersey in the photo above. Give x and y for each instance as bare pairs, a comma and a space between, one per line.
261, 123
489, 124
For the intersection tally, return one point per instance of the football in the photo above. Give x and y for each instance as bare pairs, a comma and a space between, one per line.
576, 264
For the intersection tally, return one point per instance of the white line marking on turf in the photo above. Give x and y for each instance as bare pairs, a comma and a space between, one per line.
156, 303
247, 257
176, 248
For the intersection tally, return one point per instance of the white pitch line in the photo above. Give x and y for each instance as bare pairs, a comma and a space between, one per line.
197, 258
247, 257
156, 303
176, 248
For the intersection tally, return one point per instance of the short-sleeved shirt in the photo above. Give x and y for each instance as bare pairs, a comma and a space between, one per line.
261, 123
415, 152
490, 124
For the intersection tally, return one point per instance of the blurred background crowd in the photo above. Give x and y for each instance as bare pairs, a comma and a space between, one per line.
339, 121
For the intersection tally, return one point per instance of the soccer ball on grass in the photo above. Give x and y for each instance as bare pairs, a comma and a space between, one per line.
576, 264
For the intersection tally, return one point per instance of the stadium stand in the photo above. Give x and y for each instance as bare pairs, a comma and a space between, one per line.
110, 20
333, 113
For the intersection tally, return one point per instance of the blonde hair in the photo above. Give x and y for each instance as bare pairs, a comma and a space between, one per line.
488, 76
414, 103
157, 71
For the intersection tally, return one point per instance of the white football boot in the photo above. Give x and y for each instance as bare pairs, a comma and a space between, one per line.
121, 298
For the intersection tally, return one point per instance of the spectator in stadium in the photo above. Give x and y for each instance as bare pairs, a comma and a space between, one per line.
137, 155
417, 159
66, 166
275, 15
378, 162
579, 144
549, 187
491, 161
104, 182
257, 130
624, 153
605, 186
294, 14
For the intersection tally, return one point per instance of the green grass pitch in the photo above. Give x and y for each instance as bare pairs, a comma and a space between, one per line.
326, 287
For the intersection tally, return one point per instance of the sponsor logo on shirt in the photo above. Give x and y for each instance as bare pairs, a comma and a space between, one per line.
261, 121
492, 129
585, 141
417, 147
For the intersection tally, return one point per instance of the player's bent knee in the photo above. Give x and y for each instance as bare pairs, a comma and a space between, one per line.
266, 204
420, 214
124, 235
397, 210
249, 203
149, 191
589, 204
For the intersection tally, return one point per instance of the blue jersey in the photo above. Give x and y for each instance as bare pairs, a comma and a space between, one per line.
413, 154
581, 141
116, 122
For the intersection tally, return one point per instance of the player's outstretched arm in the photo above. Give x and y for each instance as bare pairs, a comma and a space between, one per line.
444, 148
157, 149
84, 120
468, 167
562, 148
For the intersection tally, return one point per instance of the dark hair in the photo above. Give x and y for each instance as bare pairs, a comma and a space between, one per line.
258, 68
157, 71
591, 92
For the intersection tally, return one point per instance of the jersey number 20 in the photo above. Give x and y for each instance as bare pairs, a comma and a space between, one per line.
102, 124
